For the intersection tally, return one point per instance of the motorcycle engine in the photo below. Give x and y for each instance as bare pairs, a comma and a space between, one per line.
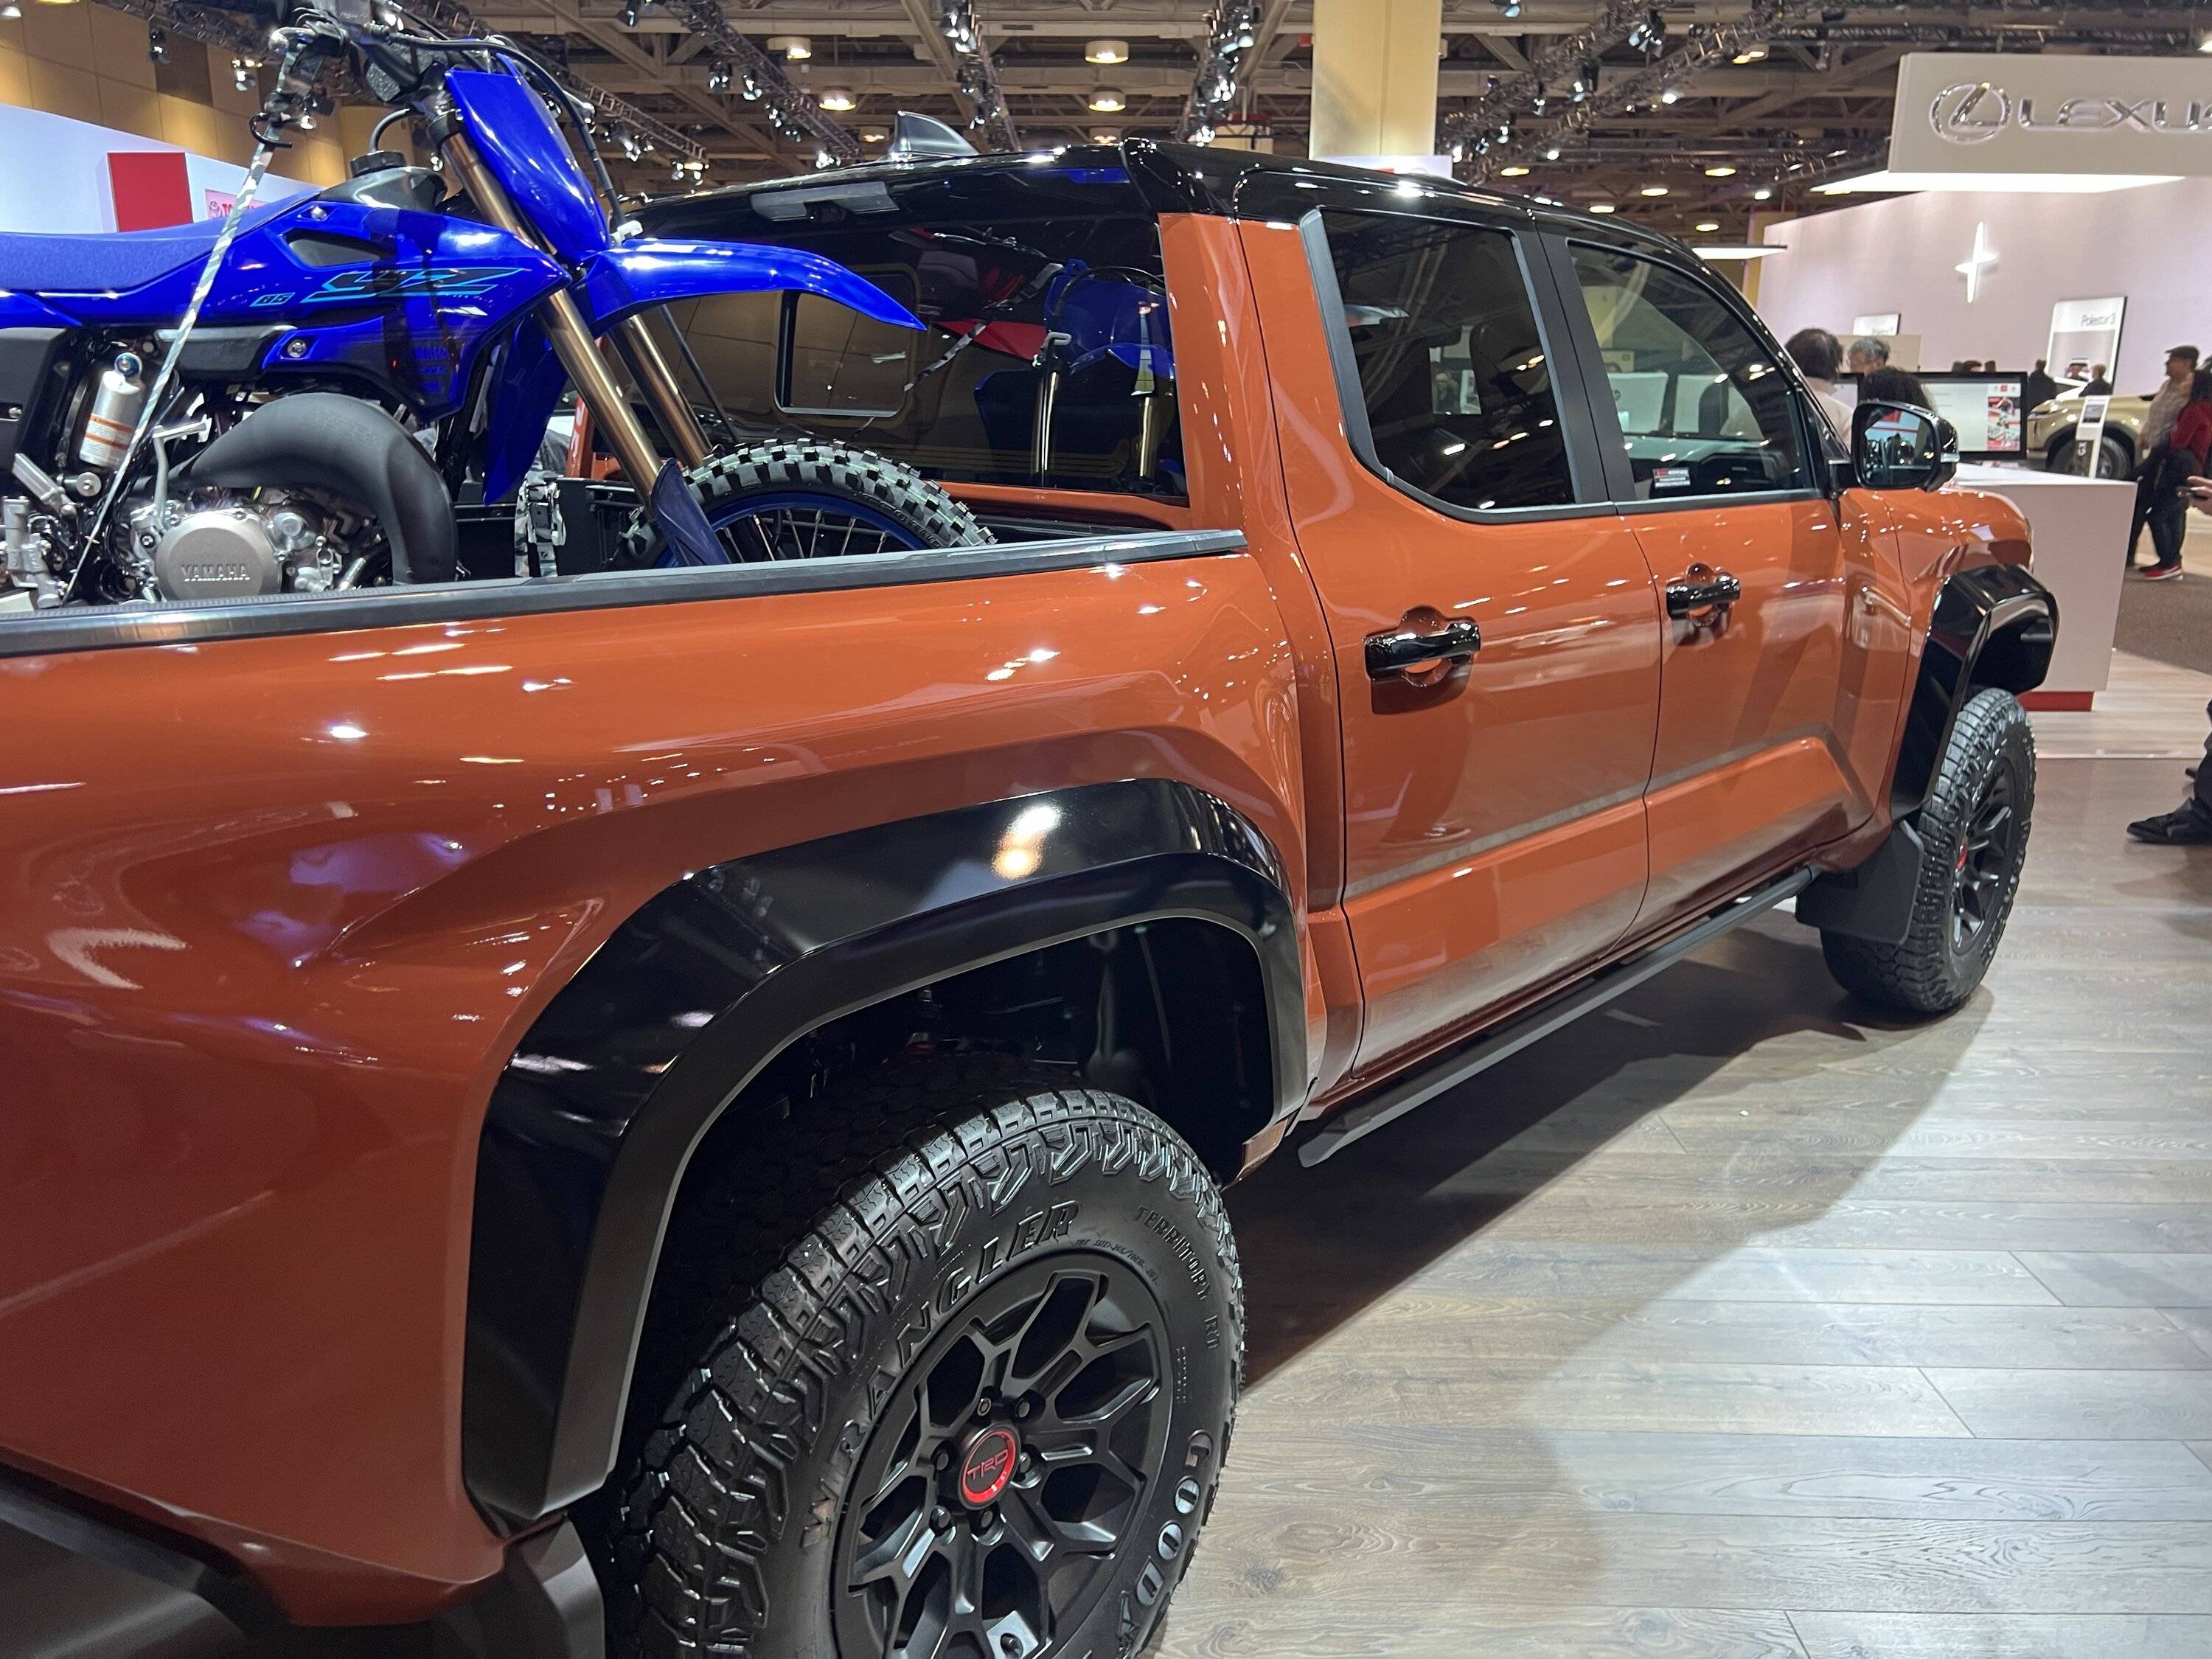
228, 549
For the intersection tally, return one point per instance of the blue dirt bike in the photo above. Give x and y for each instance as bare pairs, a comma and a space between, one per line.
288, 400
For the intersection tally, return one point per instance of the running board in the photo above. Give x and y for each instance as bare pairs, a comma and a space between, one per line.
1563, 1008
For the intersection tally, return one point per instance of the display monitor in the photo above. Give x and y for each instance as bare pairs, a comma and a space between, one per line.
1986, 409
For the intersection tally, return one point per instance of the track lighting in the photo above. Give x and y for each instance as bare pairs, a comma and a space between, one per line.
630, 13
157, 45
242, 74
717, 76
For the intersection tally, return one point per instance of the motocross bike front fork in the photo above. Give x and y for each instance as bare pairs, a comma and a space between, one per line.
571, 337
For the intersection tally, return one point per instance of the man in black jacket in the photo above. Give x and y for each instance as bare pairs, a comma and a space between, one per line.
2036, 389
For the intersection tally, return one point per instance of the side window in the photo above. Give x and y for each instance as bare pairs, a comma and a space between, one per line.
1452, 369
1704, 409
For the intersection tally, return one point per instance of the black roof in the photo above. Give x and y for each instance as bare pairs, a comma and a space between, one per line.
1162, 178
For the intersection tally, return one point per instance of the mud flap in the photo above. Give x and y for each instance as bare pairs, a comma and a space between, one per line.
1874, 901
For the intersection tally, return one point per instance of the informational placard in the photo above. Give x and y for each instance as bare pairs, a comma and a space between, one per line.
2089, 435
1879, 322
2084, 334
2050, 112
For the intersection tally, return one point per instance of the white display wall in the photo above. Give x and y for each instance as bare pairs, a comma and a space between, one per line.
1897, 254
56, 176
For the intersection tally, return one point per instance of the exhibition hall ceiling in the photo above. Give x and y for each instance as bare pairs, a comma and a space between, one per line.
1676, 114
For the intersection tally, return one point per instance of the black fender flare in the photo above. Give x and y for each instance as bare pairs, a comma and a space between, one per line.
594, 1120
1994, 625
325, 440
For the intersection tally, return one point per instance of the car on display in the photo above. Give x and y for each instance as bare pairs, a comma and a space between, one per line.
333, 371
675, 1111
2054, 426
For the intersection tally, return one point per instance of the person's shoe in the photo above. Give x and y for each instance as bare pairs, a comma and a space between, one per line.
2163, 573
2185, 826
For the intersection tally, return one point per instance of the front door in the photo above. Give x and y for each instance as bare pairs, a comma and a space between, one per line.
1495, 821
1783, 669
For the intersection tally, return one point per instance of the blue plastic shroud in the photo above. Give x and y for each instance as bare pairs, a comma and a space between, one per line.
414, 304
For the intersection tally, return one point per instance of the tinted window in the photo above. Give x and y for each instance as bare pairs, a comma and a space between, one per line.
1065, 316
1704, 409
838, 362
1451, 367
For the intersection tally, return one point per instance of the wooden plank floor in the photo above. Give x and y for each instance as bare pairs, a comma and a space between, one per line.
1735, 1322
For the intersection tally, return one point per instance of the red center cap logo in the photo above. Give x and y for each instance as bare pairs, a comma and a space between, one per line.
988, 1467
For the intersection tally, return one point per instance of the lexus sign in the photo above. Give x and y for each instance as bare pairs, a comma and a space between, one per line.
1981, 113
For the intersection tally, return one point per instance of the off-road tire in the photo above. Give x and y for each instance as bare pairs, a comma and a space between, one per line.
1927, 973
922, 509
826, 1261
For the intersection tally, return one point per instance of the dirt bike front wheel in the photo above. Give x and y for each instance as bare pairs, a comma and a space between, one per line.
799, 499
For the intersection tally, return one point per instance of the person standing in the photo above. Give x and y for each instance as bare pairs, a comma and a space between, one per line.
2189, 824
2187, 453
2166, 406
2101, 384
1868, 354
1819, 355
2038, 388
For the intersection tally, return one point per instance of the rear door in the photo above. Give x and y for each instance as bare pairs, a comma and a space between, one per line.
1775, 708
1444, 487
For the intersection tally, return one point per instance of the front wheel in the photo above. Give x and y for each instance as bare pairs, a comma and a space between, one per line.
949, 1376
800, 499
1974, 827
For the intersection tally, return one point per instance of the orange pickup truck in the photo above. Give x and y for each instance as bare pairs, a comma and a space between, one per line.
682, 1111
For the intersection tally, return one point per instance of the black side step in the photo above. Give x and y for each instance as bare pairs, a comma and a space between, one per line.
1456, 1066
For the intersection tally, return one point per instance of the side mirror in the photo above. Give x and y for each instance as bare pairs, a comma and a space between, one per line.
1897, 447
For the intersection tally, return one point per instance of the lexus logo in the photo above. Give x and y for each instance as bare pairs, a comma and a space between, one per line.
1971, 112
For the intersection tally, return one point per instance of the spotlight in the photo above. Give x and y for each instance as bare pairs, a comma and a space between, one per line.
2204, 41
1552, 153
1516, 172
839, 99
1749, 55
718, 77
1721, 170
11, 11
1601, 207
1108, 100
157, 45
874, 135
1705, 225
1105, 135
792, 48
1764, 193
1106, 52
1507, 8
1670, 95
242, 74
630, 13
1202, 135
1654, 191
751, 89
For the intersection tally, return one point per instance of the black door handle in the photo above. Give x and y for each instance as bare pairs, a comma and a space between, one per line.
1421, 641
1703, 588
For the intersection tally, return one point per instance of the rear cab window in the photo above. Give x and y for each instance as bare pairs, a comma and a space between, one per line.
1047, 360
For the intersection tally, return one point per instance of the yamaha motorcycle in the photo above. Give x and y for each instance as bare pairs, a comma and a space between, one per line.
287, 400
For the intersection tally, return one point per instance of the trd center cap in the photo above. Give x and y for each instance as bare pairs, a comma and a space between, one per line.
988, 1467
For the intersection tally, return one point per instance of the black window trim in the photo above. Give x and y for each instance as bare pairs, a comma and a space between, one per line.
1584, 458
1597, 390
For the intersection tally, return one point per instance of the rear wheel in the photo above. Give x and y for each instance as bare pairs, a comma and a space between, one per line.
800, 499
955, 1380
1973, 828
2113, 459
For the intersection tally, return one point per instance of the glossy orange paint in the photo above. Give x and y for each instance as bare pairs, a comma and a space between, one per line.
271, 944
1777, 715
1494, 823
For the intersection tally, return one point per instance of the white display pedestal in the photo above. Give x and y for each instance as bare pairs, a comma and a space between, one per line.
2079, 527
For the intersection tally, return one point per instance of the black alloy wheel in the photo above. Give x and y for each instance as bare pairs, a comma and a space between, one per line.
1987, 865
943, 1366
998, 1488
